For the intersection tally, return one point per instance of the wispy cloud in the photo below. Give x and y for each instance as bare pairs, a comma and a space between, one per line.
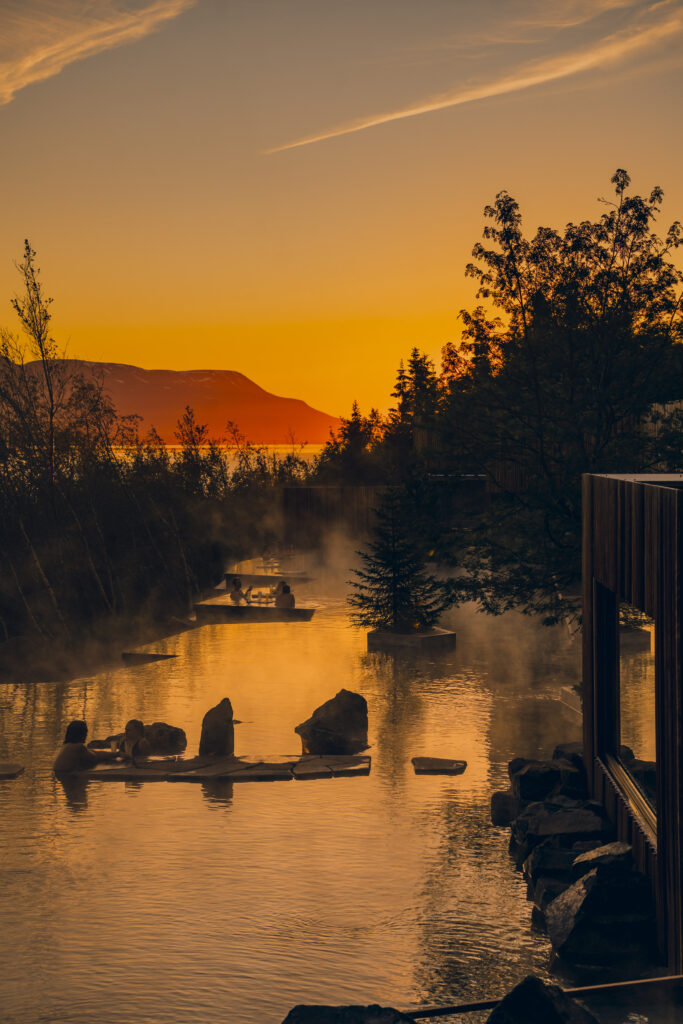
40, 39
570, 13
608, 50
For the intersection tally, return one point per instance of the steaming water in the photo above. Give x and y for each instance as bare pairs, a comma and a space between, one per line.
186, 903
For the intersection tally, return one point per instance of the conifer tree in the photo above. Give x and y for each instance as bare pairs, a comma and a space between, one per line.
393, 592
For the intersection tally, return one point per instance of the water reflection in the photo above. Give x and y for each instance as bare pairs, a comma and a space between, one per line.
218, 791
75, 791
249, 898
638, 744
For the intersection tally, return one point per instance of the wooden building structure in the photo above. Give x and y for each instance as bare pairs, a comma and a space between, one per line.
633, 552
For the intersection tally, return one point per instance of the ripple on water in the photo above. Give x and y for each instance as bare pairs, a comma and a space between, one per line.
187, 903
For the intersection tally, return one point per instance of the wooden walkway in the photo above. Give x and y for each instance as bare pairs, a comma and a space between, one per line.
201, 769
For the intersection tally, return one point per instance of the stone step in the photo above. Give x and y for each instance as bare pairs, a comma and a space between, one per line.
438, 766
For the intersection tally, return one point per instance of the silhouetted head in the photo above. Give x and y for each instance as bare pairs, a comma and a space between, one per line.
237, 583
285, 588
76, 732
135, 730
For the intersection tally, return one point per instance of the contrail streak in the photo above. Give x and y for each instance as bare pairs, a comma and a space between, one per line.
66, 38
611, 49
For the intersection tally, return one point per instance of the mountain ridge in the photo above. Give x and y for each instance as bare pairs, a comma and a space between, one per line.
159, 397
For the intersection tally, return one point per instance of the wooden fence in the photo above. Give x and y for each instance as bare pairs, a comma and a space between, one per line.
632, 548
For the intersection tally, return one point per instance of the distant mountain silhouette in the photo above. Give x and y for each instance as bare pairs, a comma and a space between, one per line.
160, 397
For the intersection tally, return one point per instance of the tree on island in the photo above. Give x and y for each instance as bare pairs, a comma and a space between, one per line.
393, 592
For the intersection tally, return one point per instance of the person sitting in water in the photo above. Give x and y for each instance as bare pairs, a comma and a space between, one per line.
237, 594
134, 742
285, 598
74, 755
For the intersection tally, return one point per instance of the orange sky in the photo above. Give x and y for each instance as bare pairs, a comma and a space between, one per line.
141, 137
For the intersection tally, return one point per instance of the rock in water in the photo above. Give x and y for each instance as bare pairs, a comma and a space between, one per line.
610, 853
218, 732
346, 1015
535, 1002
605, 917
339, 726
165, 739
504, 808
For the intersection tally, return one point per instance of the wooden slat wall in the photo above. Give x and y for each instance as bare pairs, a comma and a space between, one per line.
632, 537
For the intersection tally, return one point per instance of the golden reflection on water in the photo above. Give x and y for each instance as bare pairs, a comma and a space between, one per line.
637, 692
217, 901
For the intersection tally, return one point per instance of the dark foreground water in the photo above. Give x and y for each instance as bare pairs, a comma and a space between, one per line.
177, 903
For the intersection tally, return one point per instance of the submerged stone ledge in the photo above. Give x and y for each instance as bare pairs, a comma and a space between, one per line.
201, 769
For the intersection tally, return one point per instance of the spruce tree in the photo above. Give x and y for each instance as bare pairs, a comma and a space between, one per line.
393, 592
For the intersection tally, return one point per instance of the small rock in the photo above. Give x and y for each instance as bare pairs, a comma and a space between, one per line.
568, 751
218, 733
548, 860
604, 917
504, 808
534, 780
611, 853
346, 1015
438, 766
573, 779
546, 889
165, 739
561, 818
516, 764
535, 1002
572, 753
339, 726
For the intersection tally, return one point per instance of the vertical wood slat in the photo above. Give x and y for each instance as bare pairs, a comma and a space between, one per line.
587, 651
637, 548
626, 546
632, 536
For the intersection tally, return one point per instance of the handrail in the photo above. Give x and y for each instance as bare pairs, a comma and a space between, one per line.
489, 1004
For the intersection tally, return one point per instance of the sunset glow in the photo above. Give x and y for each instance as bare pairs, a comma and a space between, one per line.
292, 191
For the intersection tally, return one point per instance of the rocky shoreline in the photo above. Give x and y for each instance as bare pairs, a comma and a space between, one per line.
596, 908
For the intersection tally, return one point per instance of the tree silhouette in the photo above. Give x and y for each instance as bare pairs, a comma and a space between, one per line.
577, 375
392, 591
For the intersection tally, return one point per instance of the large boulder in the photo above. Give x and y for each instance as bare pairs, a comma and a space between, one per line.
346, 1015
339, 726
533, 780
218, 731
614, 854
545, 891
559, 817
548, 861
535, 1002
504, 808
569, 752
165, 739
536, 780
604, 917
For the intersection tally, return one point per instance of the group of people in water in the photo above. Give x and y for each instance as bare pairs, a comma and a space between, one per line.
284, 598
76, 757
